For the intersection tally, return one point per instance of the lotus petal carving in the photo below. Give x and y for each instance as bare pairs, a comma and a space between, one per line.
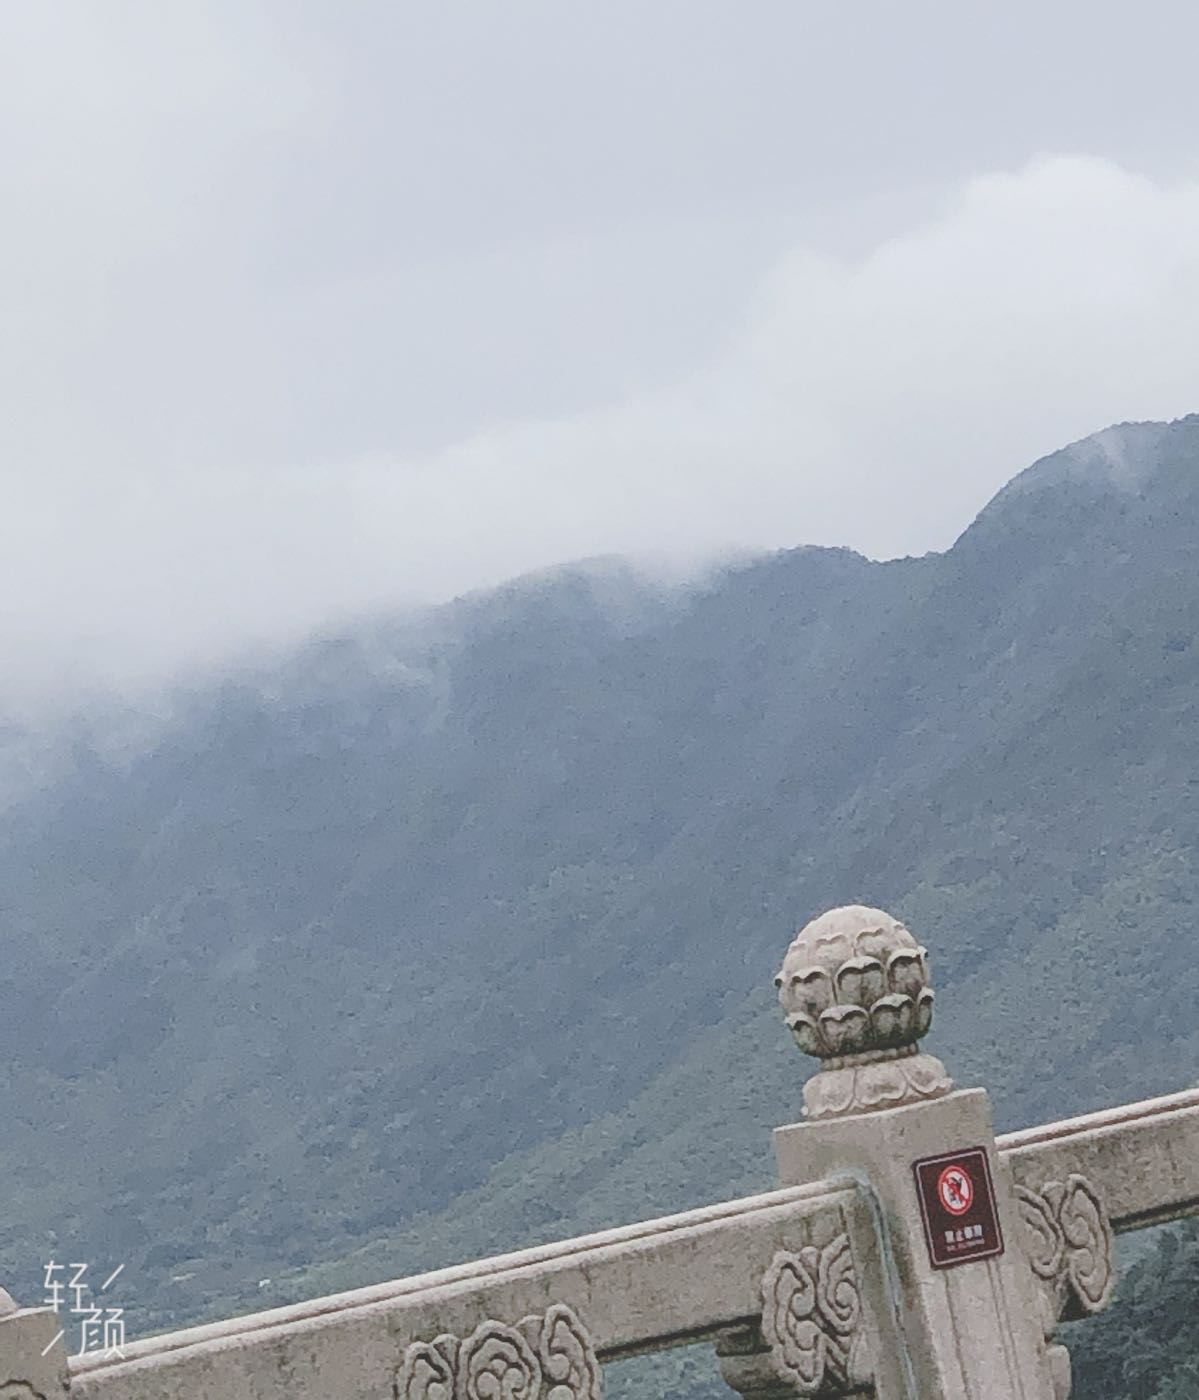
812, 990
808, 1035
905, 971
846, 1029
892, 1018
923, 1018
860, 979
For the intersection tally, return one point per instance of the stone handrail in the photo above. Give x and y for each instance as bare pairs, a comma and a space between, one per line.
1142, 1159
553, 1313
699, 1275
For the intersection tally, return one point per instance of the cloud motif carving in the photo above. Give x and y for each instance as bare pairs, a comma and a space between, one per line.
811, 1319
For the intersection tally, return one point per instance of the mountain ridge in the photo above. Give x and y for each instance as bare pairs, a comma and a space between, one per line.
462, 931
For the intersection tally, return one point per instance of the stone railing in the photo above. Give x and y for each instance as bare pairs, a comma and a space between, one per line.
910, 1254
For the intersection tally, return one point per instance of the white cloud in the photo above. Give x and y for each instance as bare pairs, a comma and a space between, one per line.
877, 403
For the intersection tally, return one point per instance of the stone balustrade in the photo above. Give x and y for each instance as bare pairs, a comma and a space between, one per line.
911, 1254
1142, 1158
538, 1321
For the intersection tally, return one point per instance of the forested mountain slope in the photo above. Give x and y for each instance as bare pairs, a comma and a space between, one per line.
459, 932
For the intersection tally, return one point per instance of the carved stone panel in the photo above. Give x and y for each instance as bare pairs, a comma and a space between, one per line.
811, 1339
1069, 1246
1068, 1240
546, 1356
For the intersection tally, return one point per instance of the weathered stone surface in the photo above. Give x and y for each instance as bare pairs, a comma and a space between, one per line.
451, 1335
812, 1319
1081, 1180
1068, 1240
855, 989
972, 1329
814, 1334
544, 1357
33, 1366
1141, 1159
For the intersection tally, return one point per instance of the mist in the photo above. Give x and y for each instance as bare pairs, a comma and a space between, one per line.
230, 427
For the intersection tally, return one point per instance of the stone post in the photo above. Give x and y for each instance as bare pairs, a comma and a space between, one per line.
967, 1317
33, 1365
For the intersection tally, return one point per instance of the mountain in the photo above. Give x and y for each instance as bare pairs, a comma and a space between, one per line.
458, 932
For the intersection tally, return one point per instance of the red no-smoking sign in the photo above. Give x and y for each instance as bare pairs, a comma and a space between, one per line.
957, 1204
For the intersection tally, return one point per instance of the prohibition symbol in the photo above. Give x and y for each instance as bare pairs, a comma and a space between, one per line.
956, 1190
957, 1207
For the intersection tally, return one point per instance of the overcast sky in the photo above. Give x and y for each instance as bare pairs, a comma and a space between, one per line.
312, 308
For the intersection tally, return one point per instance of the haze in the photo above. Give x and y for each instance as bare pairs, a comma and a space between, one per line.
313, 310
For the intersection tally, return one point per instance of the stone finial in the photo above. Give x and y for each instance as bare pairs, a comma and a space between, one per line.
855, 989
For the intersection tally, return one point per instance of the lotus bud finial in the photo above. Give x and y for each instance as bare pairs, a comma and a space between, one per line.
855, 989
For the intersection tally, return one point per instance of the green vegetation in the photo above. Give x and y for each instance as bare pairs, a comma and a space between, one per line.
458, 933
1147, 1346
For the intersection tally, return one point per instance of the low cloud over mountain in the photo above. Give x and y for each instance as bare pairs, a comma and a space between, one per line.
874, 401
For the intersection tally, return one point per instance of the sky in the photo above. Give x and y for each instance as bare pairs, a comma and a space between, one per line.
315, 310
